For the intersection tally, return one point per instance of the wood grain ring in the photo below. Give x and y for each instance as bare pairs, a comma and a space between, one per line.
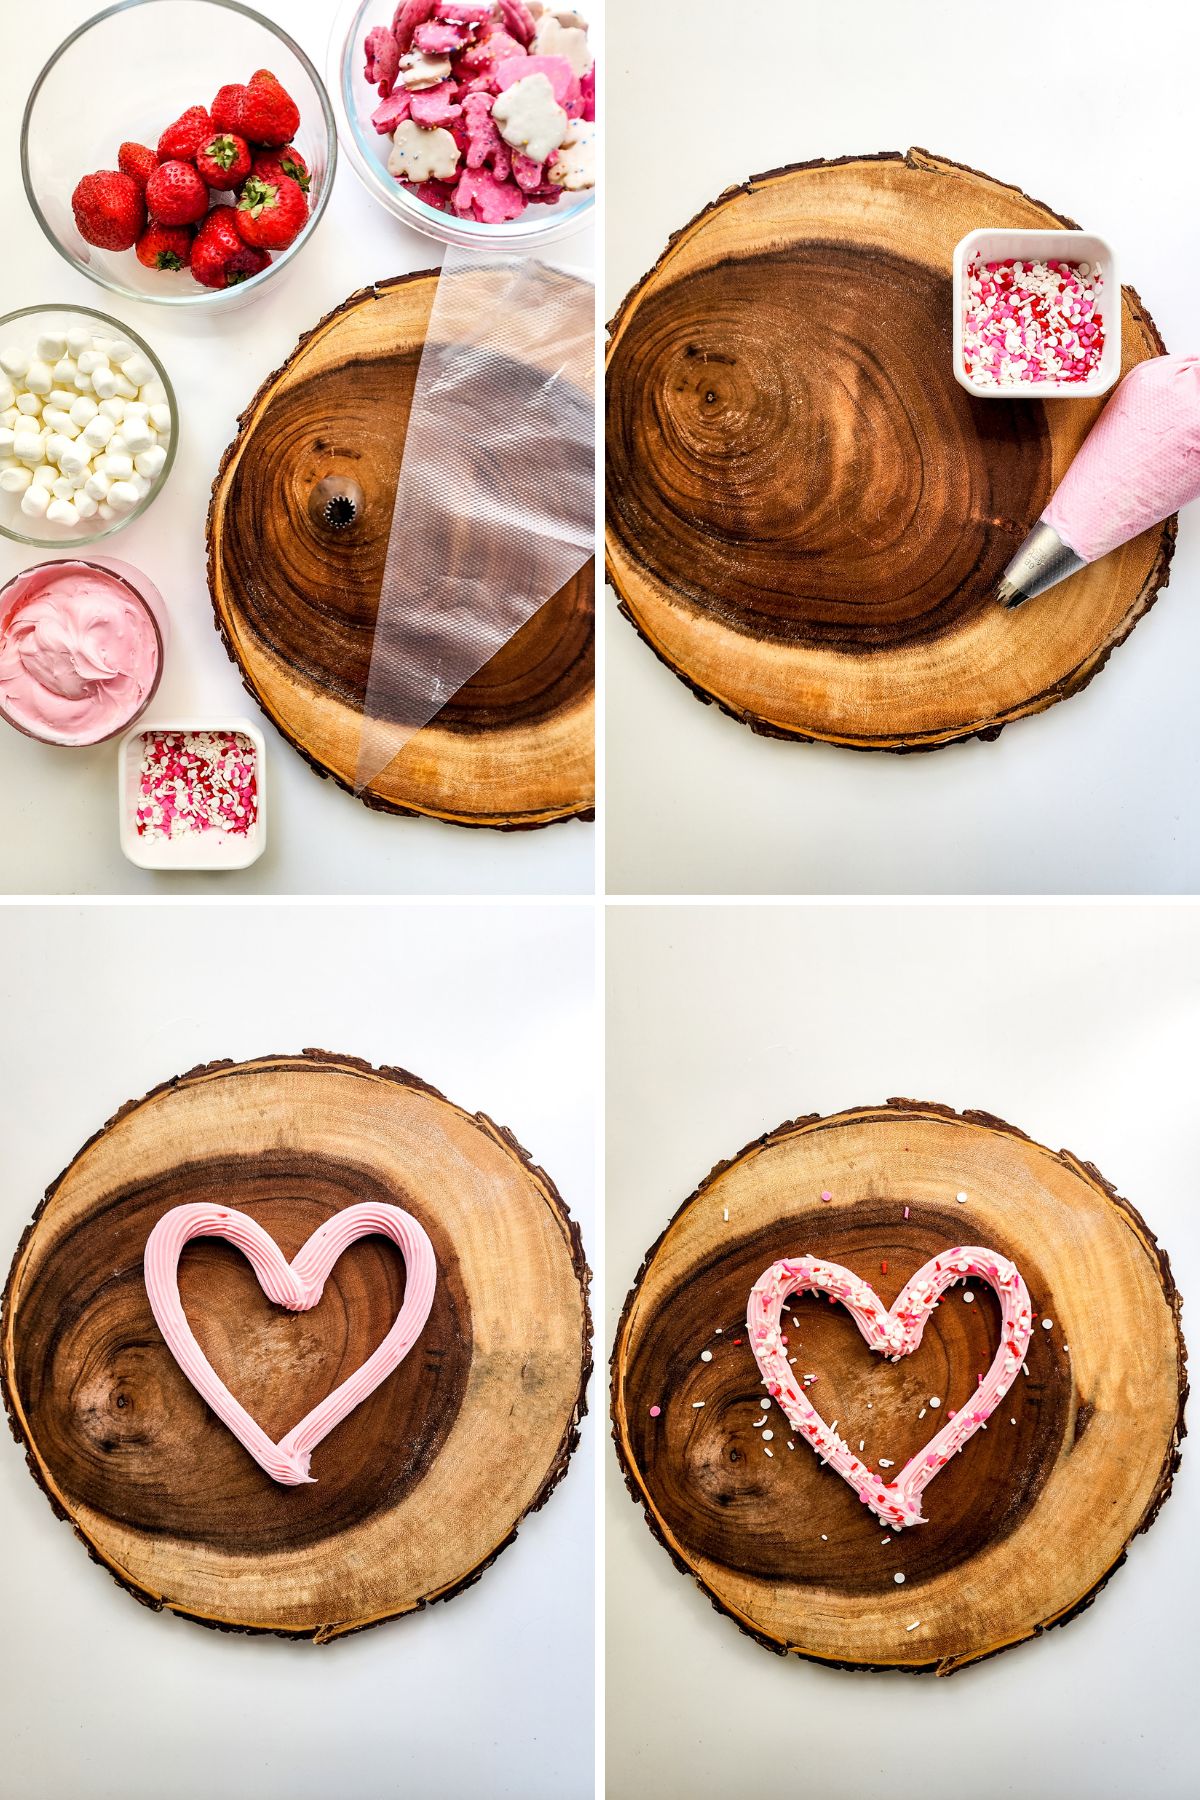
295, 585
806, 515
1027, 1526
420, 1488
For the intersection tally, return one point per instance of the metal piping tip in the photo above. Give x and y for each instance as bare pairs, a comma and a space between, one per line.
1009, 594
1042, 561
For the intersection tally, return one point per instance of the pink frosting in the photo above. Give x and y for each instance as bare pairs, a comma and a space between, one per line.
1139, 463
894, 1334
297, 1286
79, 653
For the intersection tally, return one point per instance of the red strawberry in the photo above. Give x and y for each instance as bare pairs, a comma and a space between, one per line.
269, 165
180, 141
109, 209
137, 162
219, 257
224, 162
176, 195
271, 214
269, 115
165, 247
226, 109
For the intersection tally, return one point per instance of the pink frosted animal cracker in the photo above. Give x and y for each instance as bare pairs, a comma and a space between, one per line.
486, 149
492, 202
393, 112
436, 106
464, 12
409, 14
383, 60
518, 20
440, 40
530, 118
587, 93
526, 173
558, 73
490, 48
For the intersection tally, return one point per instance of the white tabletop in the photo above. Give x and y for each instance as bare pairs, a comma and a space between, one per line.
1099, 794
490, 1694
58, 809
1076, 1024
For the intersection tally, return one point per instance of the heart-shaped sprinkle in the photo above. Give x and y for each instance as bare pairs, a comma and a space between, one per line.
296, 1285
893, 1333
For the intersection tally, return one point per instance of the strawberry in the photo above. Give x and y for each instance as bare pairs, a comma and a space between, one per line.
176, 195
224, 162
137, 162
271, 214
226, 109
165, 247
180, 141
269, 116
109, 209
269, 165
219, 257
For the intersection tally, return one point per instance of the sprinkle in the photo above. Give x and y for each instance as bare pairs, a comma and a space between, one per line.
1066, 1346
883, 1266
824, 1537
1047, 1324
655, 1411
961, 1198
870, 1406
696, 1404
922, 1412
1032, 321
934, 1400
827, 1195
906, 1212
1012, 1421
720, 1331
765, 1404
791, 1446
968, 1296
706, 1356
886, 1540
898, 1579
725, 1214
1024, 1368
861, 1442
767, 1434
886, 1463
196, 781
768, 1453
833, 1427
913, 1626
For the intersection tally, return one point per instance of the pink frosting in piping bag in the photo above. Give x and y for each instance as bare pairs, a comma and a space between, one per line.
297, 1286
1139, 463
79, 654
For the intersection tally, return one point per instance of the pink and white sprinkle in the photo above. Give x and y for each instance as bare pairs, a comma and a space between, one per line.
1032, 321
196, 781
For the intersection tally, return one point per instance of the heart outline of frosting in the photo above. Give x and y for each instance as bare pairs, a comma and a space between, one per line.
894, 1332
297, 1286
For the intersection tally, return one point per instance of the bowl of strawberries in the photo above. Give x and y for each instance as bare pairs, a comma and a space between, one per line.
179, 151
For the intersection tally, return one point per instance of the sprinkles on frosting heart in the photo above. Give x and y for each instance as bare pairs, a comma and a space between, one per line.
893, 1333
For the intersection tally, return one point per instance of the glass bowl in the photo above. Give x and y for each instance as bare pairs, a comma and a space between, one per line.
356, 99
23, 329
126, 75
134, 587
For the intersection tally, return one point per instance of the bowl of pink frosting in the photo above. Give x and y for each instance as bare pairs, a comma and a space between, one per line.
81, 650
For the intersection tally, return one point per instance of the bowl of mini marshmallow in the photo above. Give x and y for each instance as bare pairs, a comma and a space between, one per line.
88, 425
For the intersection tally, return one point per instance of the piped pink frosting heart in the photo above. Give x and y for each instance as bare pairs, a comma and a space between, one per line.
894, 1333
296, 1285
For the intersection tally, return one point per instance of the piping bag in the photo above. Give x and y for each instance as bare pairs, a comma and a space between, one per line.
1139, 463
495, 502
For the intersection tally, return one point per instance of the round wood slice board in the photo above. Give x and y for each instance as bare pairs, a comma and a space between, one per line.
296, 600
422, 1486
807, 515
1031, 1519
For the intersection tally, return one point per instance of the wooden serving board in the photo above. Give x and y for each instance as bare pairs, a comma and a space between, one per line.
1029, 1522
421, 1487
806, 515
296, 593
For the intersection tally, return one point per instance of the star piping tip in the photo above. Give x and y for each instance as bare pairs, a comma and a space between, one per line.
1009, 594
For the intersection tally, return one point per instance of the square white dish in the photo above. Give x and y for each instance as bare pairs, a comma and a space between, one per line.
1039, 246
214, 850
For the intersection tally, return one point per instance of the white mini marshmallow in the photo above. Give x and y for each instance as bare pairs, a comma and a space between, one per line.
138, 435
55, 444
7, 440
160, 417
29, 404
62, 489
58, 420
78, 341
50, 347
61, 512
137, 369
136, 409
153, 392
104, 383
113, 409
40, 378
85, 506
13, 361
123, 496
27, 444
118, 467
83, 411
89, 360
10, 418
150, 462
34, 502
97, 486
105, 510
62, 397
82, 383
65, 369
142, 483
8, 393
45, 477
75, 459
98, 432
15, 480
125, 388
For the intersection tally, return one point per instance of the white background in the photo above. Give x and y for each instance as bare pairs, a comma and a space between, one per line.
1091, 111
58, 808
1077, 1024
489, 1695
